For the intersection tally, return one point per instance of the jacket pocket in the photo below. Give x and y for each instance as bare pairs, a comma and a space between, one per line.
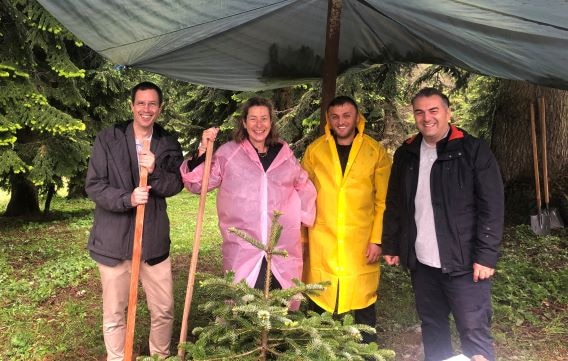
112, 233
464, 253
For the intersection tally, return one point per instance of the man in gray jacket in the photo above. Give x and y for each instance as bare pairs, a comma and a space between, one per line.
112, 183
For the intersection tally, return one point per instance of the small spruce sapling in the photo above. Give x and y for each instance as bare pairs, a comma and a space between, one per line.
250, 324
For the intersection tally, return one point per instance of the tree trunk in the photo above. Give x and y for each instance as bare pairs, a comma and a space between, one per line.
48, 198
511, 144
23, 198
329, 73
76, 186
511, 133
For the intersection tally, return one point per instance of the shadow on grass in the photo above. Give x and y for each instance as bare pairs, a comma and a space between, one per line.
9, 223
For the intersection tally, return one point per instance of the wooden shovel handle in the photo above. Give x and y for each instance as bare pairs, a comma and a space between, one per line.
136, 256
195, 251
542, 116
535, 157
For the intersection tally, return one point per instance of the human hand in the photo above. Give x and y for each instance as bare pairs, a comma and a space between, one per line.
140, 195
373, 252
481, 273
147, 160
391, 260
208, 135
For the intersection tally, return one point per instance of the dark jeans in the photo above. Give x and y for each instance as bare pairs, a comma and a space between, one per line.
437, 294
365, 316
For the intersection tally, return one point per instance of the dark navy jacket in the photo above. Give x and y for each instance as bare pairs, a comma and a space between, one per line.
467, 199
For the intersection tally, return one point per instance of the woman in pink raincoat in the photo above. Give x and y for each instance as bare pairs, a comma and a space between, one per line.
256, 173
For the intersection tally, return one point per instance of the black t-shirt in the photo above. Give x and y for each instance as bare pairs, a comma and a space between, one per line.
267, 158
343, 152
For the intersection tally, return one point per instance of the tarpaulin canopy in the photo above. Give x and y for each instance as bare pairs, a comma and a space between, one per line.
261, 44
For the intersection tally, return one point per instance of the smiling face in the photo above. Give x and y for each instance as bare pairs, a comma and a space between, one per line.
257, 125
145, 110
432, 116
343, 120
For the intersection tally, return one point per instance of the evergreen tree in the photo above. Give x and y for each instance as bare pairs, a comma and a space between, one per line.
57, 94
190, 109
251, 324
39, 142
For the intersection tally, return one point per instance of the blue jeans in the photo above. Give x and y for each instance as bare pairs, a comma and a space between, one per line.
437, 294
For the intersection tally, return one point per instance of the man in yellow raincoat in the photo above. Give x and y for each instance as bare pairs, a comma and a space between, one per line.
350, 171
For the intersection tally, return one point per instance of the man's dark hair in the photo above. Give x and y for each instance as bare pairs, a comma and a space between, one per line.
145, 85
428, 92
342, 99
241, 133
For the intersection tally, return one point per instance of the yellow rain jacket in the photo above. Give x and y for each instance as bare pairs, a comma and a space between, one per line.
349, 216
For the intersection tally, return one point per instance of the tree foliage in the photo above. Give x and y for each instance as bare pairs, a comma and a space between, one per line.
190, 109
56, 95
380, 91
40, 141
251, 324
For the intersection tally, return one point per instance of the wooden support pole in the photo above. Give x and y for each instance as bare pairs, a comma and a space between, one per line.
329, 75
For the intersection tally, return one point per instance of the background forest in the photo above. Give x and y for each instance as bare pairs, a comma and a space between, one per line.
56, 94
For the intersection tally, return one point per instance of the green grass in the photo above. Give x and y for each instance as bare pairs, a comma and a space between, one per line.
395, 289
44, 274
50, 305
49, 287
530, 295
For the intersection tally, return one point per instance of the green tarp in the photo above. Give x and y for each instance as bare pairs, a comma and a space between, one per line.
252, 45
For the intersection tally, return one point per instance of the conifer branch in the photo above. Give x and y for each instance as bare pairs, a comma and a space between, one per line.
258, 325
247, 238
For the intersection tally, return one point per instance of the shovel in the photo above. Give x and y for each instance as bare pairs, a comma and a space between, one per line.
555, 219
540, 222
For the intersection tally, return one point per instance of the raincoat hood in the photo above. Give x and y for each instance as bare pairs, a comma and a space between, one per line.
360, 126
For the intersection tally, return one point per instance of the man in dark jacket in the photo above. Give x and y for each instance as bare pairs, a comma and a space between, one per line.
444, 222
112, 183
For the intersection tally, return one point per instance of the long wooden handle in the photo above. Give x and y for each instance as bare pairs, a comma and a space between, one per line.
136, 256
195, 252
542, 116
535, 159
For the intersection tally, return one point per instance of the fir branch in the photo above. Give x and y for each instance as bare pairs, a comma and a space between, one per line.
247, 238
275, 231
251, 324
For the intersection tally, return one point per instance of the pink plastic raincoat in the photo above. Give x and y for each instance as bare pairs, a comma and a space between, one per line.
247, 199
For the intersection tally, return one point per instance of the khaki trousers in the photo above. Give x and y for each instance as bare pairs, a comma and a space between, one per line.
158, 286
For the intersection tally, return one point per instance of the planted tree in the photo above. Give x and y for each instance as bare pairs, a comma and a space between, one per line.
251, 324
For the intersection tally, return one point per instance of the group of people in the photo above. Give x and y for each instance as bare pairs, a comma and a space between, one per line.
437, 210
